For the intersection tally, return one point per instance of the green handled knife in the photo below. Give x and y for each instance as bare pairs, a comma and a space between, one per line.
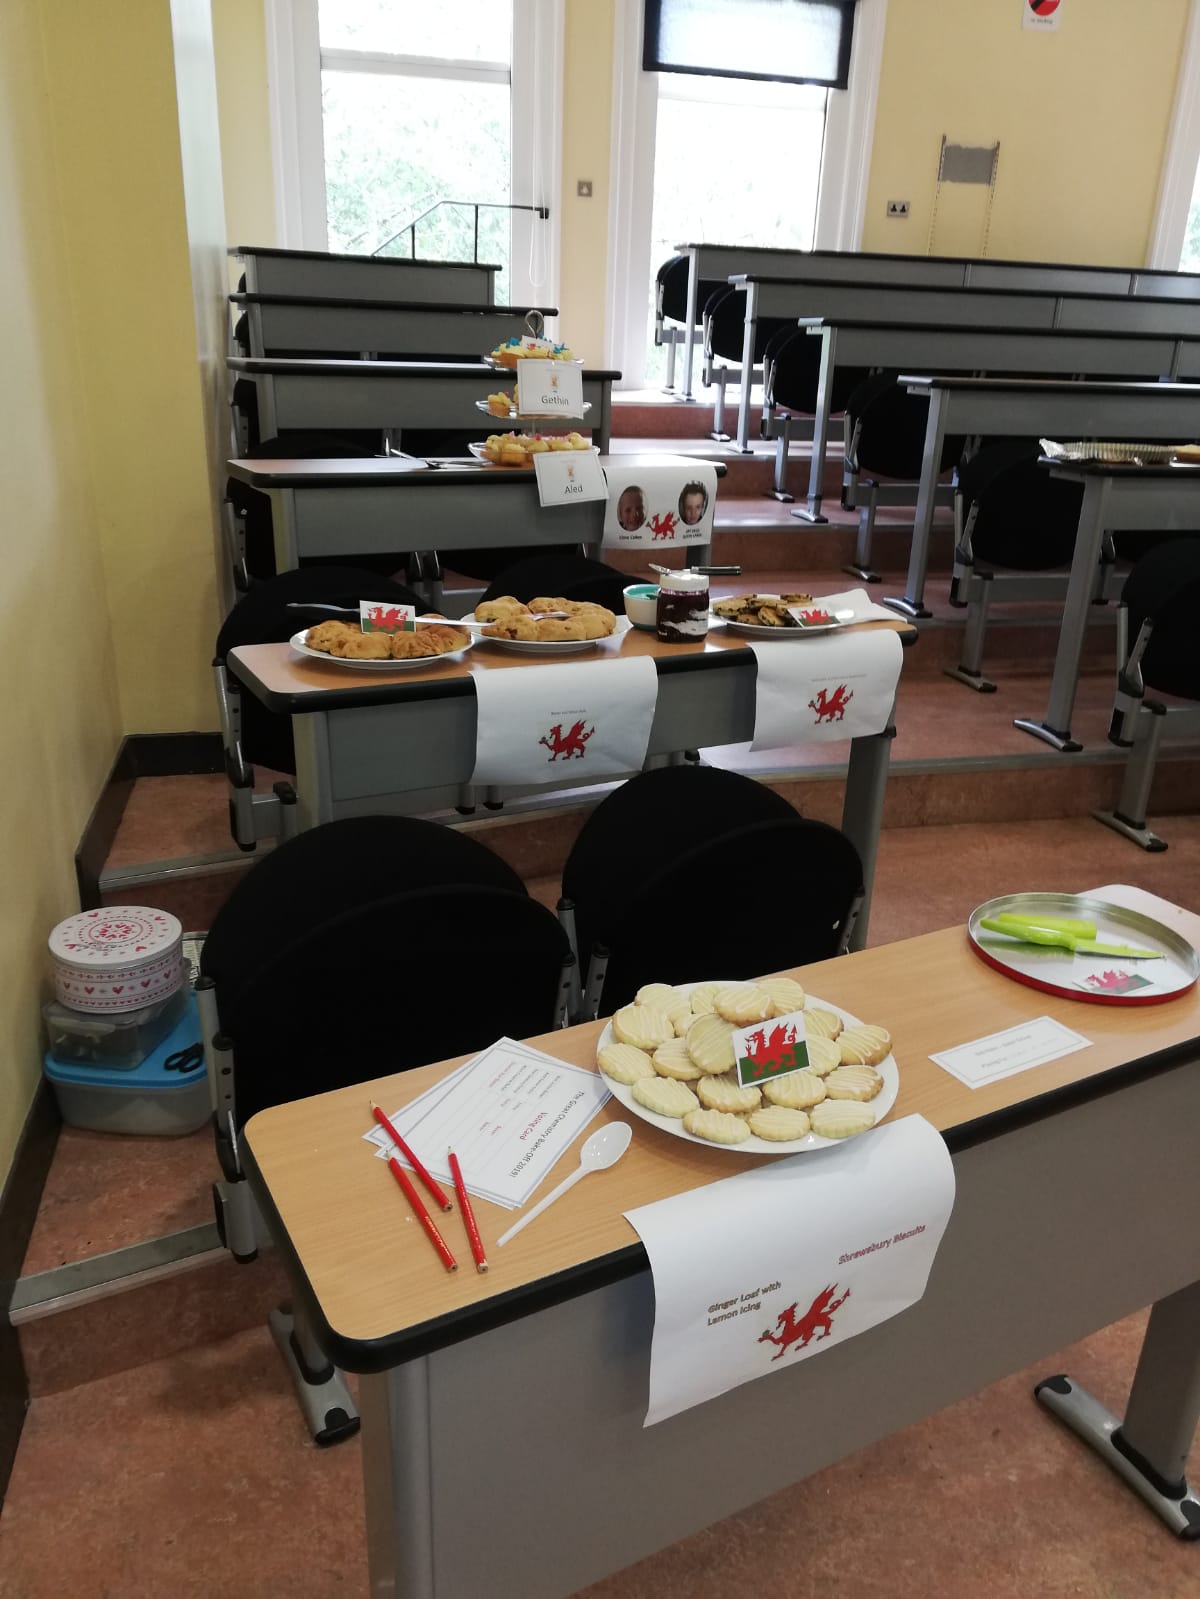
1058, 939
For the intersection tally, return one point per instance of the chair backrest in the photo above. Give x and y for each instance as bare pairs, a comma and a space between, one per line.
1024, 517
389, 983
571, 577
1165, 585
798, 369
308, 881
261, 616
757, 899
672, 289
651, 820
725, 321
891, 439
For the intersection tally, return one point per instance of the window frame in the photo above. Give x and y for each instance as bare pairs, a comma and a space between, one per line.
294, 65
1181, 158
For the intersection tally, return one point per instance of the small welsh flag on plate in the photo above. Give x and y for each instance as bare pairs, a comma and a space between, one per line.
384, 616
770, 1049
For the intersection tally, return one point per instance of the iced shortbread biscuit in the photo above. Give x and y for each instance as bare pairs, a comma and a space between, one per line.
710, 1044
727, 1094
643, 1026
778, 1123
624, 1064
665, 1097
823, 1055
679, 1009
672, 1060
798, 1090
785, 994
716, 1126
702, 998
864, 1045
853, 1082
743, 1004
659, 994
840, 1118
821, 1023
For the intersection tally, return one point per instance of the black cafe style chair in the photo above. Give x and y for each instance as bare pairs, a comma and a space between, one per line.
252, 735
1156, 654
362, 947
646, 879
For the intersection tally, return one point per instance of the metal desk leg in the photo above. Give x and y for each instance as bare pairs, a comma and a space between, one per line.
743, 427
912, 602
689, 326
862, 810
605, 428
811, 512
314, 770
283, 529
1056, 729
1149, 1449
397, 1487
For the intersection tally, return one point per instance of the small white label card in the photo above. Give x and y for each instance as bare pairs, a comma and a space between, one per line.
384, 616
775, 1265
565, 477
818, 690
771, 1049
659, 505
1016, 1049
550, 388
558, 723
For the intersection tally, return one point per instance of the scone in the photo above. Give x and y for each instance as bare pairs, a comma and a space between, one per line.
513, 626
823, 1054
643, 1026
785, 994
840, 1118
672, 1060
496, 610
743, 1004
552, 632
821, 1023
853, 1082
798, 1090
727, 1094
778, 1123
864, 1045
624, 1064
710, 1044
665, 1097
363, 647
716, 1126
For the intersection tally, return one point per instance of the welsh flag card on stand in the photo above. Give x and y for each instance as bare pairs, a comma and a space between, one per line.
770, 1049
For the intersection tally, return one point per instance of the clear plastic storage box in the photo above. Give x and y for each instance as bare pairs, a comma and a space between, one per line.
165, 1095
118, 1043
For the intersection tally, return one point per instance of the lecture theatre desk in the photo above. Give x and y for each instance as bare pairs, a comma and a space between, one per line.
389, 503
503, 1446
404, 742
416, 330
327, 274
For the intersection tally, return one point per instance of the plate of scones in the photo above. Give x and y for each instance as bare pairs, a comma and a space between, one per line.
345, 644
573, 625
669, 1058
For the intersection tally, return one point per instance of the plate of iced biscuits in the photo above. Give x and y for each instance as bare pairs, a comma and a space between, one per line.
518, 449
668, 1057
345, 644
548, 625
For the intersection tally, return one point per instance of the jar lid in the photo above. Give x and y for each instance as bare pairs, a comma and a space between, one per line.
684, 582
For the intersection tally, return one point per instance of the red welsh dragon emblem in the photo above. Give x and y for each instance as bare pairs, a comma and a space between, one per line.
387, 619
817, 1321
663, 524
832, 707
573, 743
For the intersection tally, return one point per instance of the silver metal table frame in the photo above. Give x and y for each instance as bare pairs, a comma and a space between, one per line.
1009, 406
1128, 499
511, 1458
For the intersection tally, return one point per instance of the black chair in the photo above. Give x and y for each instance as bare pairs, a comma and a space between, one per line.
362, 947
690, 872
1156, 645
670, 305
724, 324
791, 379
555, 575
251, 734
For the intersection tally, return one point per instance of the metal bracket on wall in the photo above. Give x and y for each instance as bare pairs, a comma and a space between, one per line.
966, 163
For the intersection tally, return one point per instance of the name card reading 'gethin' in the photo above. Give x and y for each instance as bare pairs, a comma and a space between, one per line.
550, 388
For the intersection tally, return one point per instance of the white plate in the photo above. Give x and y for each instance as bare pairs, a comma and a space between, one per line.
513, 415
881, 1104
755, 630
477, 450
408, 665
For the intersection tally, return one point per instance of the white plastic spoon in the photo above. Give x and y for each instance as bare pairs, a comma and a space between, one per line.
602, 1150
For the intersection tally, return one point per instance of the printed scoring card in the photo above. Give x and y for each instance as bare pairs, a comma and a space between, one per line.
658, 506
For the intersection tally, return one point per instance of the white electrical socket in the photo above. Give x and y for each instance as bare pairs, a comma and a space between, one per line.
897, 208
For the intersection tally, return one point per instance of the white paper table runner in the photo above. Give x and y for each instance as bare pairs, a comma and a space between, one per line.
819, 690
780, 1262
552, 724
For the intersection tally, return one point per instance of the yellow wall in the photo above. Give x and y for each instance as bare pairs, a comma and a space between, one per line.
115, 124
1081, 115
587, 132
59, 722
240, 43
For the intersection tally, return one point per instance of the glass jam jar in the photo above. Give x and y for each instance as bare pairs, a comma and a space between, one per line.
682, 607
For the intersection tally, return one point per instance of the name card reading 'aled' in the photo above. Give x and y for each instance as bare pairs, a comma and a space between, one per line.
567, 477
549, 388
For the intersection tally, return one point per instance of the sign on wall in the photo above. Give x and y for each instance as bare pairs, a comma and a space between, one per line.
1044, 14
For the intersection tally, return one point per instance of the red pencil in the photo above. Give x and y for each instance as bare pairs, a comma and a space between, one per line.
435, 1192
464, 1204
423, 1216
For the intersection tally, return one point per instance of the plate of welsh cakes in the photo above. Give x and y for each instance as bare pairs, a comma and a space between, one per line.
669, 1058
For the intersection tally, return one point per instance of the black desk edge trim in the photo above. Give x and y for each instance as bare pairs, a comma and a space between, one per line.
348, 302
242, 252
259, 366
855, 324
374, 1355
250, 472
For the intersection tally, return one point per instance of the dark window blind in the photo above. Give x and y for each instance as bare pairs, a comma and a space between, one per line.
783, 41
